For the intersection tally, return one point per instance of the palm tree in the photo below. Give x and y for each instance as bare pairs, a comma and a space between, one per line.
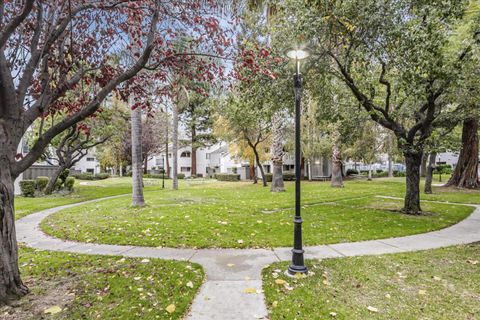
180, 101
137, 178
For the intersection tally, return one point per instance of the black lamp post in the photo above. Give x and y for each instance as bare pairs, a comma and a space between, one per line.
298, 264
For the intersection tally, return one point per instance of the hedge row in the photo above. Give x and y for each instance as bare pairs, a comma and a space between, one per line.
227, 176
89, 176
28, 188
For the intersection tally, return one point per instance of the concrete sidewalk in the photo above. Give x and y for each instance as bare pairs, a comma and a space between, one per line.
229, 272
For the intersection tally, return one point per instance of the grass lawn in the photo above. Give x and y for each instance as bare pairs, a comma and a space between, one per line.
103, 287
84, 190
433, 284
206, 213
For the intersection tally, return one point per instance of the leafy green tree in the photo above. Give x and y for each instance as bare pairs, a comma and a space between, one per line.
392, 57
197, 117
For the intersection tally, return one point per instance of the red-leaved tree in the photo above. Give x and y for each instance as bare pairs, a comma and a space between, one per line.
49, 48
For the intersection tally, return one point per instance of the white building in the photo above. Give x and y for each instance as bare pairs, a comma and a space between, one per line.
217, 159
88, 164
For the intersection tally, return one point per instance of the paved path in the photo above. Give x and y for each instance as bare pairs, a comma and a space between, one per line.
230, 271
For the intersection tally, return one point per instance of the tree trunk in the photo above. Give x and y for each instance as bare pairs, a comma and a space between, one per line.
259, 165
423, 167
167, 161
277, 154
194, 162
194, 152
369, 174
175, 146
11, 285
51, 183
466, 171
137, 179
390, 156
337, 179
145, 165
413, 161
251, 167
429, 177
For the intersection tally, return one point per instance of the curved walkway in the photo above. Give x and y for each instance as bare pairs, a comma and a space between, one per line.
230, 271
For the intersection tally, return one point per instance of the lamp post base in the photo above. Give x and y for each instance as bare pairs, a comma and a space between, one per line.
293, 270
297, 265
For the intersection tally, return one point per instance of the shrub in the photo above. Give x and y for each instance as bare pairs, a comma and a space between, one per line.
381, 174
41, 183
444, 169
83, 176
227, 177
399, 174
155, 176
101, 176
379, 170
27, 187
128, 174
69, 182
63, 176
199, 175
180, 176
58, 184
288, 176
269, 177
351, 171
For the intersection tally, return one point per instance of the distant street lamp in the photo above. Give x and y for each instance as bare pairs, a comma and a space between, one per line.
298, 264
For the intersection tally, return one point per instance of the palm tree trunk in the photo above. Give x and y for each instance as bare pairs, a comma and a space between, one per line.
277, 154
175, 146
390, 155
137, 179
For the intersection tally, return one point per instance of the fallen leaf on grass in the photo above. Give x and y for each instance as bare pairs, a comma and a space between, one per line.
388, 296
190, 284
333, 314
53, 310
280, 281
372, 309
274, 303
422, 292
474, 262
170, 308
436, 278
145, 261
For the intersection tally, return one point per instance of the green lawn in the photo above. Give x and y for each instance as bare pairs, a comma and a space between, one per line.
103, 287
84, 190
238, 214
433, 284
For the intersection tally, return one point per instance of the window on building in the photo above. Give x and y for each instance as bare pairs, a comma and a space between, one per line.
169, 155
91, 171
207, 156
185, 154
158, 161
90, 159
184, 169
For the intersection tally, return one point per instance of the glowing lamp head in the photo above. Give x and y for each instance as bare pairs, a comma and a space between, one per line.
298, 54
